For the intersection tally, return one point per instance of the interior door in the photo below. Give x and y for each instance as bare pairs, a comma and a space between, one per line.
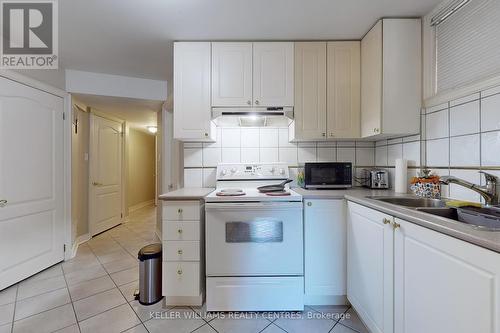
273, 74
231, 74
105, 192
31, 181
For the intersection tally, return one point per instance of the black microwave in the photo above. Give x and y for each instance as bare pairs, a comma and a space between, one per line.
328, 175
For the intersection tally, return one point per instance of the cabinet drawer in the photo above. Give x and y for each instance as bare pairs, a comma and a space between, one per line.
181, 210
181, 251
181, 231
181, 278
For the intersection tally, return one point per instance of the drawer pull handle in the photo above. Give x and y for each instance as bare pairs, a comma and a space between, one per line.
179, 210
309, 204
179, 231
179, 271
387, 221
179, 252
396, 225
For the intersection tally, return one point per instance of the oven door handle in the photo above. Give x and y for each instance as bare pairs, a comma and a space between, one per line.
253, 206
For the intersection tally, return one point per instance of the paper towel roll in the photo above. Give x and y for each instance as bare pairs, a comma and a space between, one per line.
401, 179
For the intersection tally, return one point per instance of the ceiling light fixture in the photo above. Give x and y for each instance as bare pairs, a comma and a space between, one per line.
152, 129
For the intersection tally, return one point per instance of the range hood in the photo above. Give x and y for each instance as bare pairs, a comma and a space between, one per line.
281, 111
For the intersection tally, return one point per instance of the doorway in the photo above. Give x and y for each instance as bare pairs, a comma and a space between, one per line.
115, 161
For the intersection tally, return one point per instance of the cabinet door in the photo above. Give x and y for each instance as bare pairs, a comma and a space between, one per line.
442, 283
310, 90
325, 251
371, 82
273, 74
370, 266
231, 74
192, 120
343, 95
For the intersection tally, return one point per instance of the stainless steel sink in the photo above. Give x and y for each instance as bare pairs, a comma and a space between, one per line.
412, 202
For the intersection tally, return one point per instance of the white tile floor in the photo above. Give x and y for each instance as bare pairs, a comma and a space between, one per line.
93, 292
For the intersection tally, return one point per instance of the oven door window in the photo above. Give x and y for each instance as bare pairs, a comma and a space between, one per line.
255, 231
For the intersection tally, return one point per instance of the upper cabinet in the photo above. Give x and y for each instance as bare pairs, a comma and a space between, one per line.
252, 74
327, 90
231, 74
391, 95
273, 74
192, 119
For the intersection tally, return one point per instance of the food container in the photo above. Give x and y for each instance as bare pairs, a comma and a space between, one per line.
426, 185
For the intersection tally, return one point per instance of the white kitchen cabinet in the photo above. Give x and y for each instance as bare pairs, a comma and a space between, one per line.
231, 74
325, 251
327, 91
343, 93
273, 75
391, 78
370, 266
192, 117
443, 284
310, 90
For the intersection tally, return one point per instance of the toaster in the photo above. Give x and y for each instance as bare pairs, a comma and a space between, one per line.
375, 178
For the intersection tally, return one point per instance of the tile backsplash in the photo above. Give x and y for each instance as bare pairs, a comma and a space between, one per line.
458, 138
266, 145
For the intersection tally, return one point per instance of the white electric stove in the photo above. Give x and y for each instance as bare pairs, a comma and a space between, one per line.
254, 241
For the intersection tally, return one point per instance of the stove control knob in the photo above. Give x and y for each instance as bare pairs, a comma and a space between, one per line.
233, 170
273, 170
282, 171
223, 172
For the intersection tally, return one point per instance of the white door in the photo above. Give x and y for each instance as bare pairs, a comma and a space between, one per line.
324, 251
310, 90
31, 181
105, 194
273, 73
231, 74
192, 117
371, 82
444, 280
343, 95
370, 266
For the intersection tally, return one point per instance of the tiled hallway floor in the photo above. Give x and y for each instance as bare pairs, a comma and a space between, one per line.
93, 292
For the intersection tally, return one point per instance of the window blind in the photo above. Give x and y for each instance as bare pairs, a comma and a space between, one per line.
468, 45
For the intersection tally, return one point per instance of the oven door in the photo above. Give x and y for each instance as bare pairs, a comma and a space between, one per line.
254, 239
328, 175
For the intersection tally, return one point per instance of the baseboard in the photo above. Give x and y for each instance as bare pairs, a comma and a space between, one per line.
141, 205
79, 240
325, 300
184, 300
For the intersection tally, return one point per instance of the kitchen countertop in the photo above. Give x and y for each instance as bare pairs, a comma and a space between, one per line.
486, 239
187, 193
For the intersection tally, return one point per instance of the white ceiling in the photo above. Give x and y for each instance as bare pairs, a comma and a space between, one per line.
138, 113
134, 38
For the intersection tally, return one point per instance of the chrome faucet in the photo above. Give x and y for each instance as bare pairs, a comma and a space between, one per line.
488, 192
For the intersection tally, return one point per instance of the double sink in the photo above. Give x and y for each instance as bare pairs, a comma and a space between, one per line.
485, 218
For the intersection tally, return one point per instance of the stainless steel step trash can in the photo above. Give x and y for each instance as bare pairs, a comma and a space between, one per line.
150, 274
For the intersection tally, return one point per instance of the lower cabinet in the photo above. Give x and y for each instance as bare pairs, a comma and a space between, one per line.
183, 255
405, 278
325, 252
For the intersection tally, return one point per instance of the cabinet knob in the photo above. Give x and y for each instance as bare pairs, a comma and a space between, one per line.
386, 221
179, 210
323, 134
331, 135
396, 225
206, 134
257, 102
3, 203
179, 271
179, 252
376, 130
309, 204
249, 102
179, 231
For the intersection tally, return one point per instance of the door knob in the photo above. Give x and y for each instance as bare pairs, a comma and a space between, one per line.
3, 203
